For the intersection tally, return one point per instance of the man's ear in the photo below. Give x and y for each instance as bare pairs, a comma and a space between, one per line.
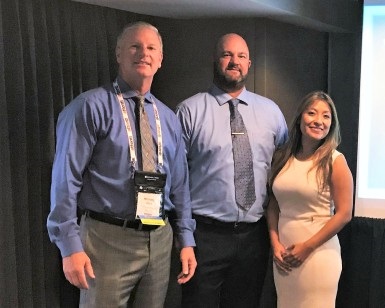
117, 54
161, 59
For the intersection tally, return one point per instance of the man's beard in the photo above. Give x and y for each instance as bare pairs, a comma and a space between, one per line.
228, 84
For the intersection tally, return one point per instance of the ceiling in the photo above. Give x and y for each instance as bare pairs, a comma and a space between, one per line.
323, 15
191, 8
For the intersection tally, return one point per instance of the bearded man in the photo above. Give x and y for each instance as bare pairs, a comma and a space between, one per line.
230, 136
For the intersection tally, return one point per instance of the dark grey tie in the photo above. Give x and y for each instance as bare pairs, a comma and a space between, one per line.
147, 144
243, 159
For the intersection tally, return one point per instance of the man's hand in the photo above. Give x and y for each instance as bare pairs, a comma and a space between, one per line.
76, 267
187, 258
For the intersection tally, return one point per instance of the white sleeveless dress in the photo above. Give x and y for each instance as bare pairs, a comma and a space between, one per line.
303, 212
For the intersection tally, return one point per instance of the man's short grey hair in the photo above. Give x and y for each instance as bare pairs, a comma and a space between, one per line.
138, 25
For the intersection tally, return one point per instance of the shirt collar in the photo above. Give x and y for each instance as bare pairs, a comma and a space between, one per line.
127, 92
222, 97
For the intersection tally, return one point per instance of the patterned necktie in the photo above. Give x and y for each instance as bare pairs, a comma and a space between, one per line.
243, 160
147, 144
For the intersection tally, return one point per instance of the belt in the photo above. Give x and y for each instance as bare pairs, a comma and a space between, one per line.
224, 224
112, 220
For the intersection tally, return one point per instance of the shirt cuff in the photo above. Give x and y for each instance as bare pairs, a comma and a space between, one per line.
184, 233
69, 246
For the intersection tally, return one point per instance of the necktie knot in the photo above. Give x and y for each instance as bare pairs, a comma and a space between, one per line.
236, 121
233, 103
139, 100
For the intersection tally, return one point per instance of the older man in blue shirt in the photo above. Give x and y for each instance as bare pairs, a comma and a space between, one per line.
232, 241
120, 252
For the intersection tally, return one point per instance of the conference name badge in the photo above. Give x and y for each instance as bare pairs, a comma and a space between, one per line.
149, 191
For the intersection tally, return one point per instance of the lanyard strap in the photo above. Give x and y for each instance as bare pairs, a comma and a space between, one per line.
129, 129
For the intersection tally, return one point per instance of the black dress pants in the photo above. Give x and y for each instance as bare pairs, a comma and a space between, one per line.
232, 263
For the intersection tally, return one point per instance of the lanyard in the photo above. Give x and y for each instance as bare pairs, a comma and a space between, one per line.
129, 129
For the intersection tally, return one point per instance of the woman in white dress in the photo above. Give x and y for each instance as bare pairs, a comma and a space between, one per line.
311, 200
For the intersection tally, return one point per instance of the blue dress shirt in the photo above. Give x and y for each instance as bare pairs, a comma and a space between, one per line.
92, 167
205, 119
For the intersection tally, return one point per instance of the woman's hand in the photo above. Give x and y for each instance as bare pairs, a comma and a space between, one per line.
279, 253
296, 254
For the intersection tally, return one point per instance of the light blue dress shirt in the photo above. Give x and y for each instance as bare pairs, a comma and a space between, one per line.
92, 167
205, 119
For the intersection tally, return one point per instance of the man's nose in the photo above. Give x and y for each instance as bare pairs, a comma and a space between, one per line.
142, 50
234, 60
